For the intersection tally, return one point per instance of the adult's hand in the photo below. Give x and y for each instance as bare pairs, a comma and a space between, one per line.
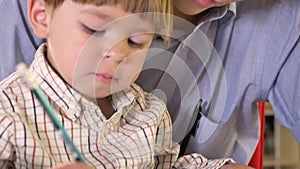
74, 165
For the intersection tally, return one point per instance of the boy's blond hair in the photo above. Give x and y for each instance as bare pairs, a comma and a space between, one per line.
161, 10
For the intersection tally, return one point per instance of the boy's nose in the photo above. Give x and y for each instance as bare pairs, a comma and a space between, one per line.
118, 52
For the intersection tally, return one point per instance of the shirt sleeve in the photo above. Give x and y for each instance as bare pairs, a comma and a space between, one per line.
17, 38
194, 161
284, 95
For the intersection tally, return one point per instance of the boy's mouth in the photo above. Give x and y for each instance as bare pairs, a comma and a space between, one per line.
105, 77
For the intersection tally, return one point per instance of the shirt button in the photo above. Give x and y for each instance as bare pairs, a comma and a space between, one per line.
183, 45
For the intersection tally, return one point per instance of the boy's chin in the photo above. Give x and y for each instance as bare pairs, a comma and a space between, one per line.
100, 93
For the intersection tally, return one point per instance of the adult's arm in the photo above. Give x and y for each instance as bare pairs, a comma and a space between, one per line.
284, 96
16, 36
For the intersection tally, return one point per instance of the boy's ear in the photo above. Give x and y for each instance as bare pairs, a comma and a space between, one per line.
37, 17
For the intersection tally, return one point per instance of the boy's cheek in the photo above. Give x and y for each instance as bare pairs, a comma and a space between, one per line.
129, 72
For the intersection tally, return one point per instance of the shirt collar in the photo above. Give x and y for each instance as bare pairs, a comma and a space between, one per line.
66, 99
226, 12
123, 98
232, 7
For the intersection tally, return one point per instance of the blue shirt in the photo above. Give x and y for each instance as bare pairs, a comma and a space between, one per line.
236, 56
16, 36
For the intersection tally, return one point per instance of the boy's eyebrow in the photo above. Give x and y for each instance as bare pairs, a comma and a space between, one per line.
97, 13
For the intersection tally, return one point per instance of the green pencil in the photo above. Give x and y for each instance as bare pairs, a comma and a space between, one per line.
50, 111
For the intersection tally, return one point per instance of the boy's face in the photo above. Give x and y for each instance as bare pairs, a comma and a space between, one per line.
97, 49
193, 7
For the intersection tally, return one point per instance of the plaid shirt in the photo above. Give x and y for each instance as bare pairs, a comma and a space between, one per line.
138, 135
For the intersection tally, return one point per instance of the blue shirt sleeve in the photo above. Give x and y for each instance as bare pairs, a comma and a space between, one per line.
284, 96
280, 76
17, 38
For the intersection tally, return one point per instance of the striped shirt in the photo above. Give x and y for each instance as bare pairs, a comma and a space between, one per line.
138, 135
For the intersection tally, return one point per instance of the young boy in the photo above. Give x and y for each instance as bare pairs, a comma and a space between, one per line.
94, 52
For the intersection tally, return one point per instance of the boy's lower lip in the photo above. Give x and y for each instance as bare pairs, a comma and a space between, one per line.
104, 77
204, 3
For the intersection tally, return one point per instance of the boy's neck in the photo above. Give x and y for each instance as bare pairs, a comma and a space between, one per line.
106, 106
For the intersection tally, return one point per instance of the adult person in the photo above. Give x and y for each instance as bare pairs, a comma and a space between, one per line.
250, 52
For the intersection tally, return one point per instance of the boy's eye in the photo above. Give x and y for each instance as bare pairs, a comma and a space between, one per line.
140, 40
135, 43
92, 31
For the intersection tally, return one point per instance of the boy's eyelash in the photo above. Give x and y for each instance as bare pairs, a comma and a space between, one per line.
88, 30
92, 31
135, 44
130, 41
